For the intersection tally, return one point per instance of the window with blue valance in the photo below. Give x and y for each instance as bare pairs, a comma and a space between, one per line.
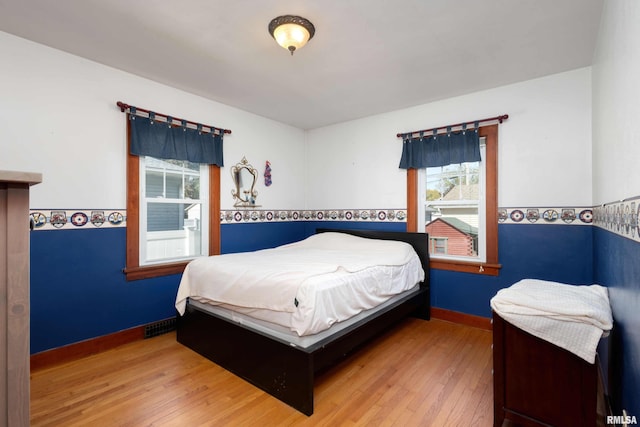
426, 150
168, 140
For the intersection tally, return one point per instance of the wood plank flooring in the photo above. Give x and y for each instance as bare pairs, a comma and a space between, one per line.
421, 373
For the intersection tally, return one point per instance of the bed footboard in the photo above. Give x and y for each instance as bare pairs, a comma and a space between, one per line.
281, 370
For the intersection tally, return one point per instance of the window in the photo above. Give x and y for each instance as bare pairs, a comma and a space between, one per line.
173, 215
437, 245
457, 206
450, 198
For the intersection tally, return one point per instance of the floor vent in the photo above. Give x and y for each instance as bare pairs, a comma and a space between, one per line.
159, 328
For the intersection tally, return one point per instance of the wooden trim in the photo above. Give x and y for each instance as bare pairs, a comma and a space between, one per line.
466, 267
14, 299
149, 271
412, 200
462, 318
133, 208
86, 348
491, 209
214, 210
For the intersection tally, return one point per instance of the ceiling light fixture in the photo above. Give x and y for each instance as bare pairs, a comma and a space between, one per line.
291, 32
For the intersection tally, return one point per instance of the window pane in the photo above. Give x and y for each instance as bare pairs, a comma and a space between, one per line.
173, 230
438, 245
164, 216
154, 183
187, 176
192, 187
451, 209
172, 179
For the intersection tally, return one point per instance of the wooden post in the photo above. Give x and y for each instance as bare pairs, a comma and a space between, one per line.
14, 297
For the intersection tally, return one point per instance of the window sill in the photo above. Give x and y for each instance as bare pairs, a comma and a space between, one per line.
149, 271
486, 269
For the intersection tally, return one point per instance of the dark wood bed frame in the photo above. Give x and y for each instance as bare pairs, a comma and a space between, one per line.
285, 371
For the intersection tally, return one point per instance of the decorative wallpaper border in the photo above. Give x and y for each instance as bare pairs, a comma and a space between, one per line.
548, 215
622, 218
77, 219
368, 215
85, 219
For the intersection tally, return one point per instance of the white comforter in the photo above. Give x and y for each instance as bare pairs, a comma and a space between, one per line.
271, 278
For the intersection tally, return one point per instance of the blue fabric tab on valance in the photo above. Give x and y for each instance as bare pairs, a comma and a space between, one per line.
440, 149
150, 137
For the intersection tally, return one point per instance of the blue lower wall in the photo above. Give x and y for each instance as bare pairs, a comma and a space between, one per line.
78, 290
246, 237
617, 266
560, 253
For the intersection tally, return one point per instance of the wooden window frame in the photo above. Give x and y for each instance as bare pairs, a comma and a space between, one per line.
491, 267
133, 269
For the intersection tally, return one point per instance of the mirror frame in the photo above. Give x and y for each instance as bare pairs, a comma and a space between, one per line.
251, 193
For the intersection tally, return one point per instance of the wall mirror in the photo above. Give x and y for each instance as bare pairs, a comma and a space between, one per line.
244, 179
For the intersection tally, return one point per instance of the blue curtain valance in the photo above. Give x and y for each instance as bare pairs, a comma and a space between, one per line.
165, 140
425, 151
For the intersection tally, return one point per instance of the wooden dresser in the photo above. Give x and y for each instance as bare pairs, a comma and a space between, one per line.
14, 296
537, 383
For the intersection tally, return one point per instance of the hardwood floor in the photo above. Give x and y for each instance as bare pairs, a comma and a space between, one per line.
422, 373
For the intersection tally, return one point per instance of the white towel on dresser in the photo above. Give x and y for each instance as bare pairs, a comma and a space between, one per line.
570, 316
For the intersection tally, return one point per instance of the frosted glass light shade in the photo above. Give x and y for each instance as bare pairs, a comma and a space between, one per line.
291, 32
291, 36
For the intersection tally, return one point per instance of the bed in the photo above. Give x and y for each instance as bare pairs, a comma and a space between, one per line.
281, 361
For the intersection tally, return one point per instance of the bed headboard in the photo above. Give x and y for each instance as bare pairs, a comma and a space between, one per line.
419, 241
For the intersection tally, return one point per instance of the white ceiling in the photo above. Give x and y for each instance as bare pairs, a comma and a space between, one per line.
367, 56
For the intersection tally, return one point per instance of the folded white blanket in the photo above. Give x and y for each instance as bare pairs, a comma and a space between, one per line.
569, 316
270, 278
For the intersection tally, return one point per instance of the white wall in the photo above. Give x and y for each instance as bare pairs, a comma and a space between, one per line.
58, 116
544, 147
616, 103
